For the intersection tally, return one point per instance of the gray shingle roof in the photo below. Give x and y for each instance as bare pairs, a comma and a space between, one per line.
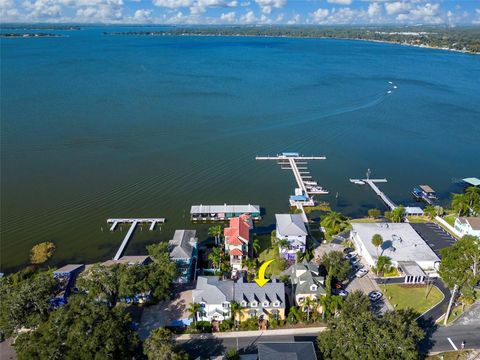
286, 351
303, 275
212, 291
181, 246
271, 291
291, 224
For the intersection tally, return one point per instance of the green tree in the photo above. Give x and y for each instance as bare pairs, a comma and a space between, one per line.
232, 354
383, 264
294, 315
472, 194
356, 303
430, 211
459, 268
336, 265
363, 336
374, 213
256, 246
396, 215
100, 282
461, 204
216, 231
307, 306
82, 329
334, 222
160, 345
377, 241
193, 311
215, 257
40, 253
25, 301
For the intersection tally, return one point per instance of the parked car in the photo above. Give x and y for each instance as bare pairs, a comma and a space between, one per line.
354, 260
340, 292
348, 250
348, 256
361, 273
374, 296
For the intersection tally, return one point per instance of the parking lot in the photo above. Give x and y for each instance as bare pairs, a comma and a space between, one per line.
434, 236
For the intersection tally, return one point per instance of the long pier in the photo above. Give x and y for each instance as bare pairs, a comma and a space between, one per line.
380, 193
133, 222
290, 161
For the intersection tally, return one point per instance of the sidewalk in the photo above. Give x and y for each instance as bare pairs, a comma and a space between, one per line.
254, 333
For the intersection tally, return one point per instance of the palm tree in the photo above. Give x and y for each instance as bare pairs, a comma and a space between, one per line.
293, 314
430, 211
256, 246
383, 263
333, 221
236, 309
377, 241
215, 257
460, 203
472, 194
192, 310
216, 232
282, 243
307, 305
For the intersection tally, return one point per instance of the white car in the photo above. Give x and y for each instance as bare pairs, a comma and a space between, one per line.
361, 273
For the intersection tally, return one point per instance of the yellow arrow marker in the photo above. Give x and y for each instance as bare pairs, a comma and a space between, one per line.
261, 273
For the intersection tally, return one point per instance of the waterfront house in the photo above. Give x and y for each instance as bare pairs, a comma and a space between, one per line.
66, 276
290, 227
237, 238
216, 296
306, 282
402, 244
223, 212
468, 225
183, 250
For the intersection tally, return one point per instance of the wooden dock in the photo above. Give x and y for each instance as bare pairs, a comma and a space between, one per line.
133, 222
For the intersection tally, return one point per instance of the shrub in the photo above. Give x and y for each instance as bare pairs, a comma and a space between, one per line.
203, 326
232, 354
226, 325
249, 324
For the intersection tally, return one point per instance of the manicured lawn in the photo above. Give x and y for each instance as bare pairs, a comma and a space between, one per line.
366, 220
418, 219
277, 266
452, 355
450, 219
402, 297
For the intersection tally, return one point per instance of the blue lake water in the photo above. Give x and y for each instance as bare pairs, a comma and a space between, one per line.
96, 126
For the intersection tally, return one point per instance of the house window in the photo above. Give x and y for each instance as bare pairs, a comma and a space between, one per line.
276, 304
254, 304
226, 305
244, 303
300, 300
202, 305
313, 287
265, 303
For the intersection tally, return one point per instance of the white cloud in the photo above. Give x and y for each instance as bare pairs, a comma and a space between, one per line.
340, 2
427, 13
397, 7
228, 17
374, 9
267, 5
172, 4
320, 15
142, 15
295, 19
248, 18
477, 19
8, 12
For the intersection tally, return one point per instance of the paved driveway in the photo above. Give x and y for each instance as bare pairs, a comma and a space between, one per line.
434, 236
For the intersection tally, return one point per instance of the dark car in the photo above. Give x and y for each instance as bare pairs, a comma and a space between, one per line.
348, 250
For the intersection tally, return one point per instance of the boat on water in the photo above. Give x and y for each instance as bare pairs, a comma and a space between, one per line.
357, 182
425, 193
389, 91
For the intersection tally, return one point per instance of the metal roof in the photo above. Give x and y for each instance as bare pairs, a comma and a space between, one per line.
472, 181
290, 224
215, 209
427, 189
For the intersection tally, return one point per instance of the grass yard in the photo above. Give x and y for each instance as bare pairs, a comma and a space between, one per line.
418, 219
450, 219
451, 355
403, 296
366, 220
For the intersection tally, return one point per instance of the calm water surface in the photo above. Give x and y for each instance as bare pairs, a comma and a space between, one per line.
96, 126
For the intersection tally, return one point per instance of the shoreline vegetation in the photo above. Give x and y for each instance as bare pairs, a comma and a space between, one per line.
464, 39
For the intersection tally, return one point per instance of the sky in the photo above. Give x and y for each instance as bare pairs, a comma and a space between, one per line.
243, 12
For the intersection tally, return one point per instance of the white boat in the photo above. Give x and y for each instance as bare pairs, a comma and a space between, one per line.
389, 91
357, 182
390, 82
395, 87
314, 183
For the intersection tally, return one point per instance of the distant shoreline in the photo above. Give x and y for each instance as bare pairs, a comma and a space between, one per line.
167, 34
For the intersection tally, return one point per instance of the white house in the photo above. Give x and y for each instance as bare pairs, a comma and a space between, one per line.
468, 226
290, 227
214, 296
401, 243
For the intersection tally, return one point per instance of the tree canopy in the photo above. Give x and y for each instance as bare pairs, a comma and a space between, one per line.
82, 329
460, 263
358, 334
336, 265
160, 345
25, 299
